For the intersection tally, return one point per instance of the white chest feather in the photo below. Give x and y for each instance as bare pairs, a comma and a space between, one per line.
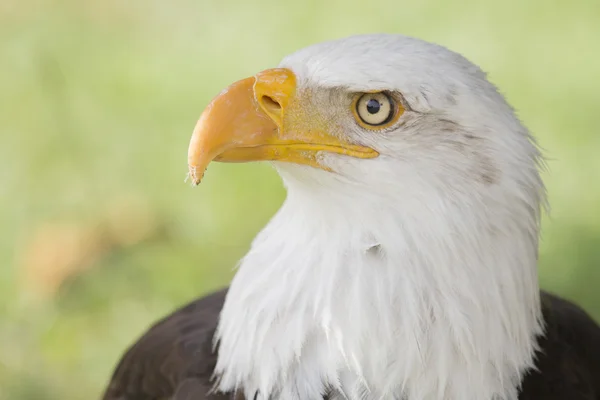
331, 303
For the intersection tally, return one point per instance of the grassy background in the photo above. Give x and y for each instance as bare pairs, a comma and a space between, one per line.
99, 235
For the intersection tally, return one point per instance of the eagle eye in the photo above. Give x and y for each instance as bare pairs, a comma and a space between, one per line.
376, 110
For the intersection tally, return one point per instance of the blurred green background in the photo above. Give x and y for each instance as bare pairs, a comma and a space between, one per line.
99, 234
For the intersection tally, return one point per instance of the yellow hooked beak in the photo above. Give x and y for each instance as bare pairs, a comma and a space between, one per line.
258, 119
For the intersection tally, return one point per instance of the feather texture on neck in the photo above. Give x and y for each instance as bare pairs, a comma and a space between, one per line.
430, 300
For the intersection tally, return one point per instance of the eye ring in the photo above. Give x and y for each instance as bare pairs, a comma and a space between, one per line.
376, 110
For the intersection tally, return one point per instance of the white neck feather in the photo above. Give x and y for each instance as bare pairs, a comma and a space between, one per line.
406, 299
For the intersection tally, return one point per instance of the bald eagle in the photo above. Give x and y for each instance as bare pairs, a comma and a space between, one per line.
403, 262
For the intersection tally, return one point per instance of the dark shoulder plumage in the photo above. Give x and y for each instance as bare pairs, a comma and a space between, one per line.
174, 358
568, 362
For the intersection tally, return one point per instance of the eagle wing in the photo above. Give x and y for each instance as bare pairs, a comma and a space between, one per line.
568, 360
174, 359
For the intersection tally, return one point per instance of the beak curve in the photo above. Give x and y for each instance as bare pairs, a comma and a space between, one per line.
247, 122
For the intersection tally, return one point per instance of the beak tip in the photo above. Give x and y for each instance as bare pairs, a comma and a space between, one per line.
195, 176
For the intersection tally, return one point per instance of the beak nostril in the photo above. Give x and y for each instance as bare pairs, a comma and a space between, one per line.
270, 104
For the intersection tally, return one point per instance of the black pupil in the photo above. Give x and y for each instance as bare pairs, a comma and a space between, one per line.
373, 106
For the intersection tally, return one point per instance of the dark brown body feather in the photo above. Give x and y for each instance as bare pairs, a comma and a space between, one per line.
174, 360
